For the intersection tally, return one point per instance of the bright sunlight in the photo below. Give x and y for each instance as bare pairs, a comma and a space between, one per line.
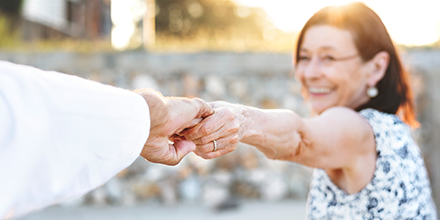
411, 23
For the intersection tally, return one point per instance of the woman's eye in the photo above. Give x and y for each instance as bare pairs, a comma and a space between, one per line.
304, 58
329, 58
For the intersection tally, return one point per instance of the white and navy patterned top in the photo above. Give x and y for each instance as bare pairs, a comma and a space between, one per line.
400, 186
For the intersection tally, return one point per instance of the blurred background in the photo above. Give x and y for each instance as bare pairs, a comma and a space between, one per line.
233, 50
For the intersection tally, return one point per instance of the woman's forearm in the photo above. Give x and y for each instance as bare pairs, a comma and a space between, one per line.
276, 133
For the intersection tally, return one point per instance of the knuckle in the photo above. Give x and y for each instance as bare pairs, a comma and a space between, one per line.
236, 124
204, 140
234, 139
199, 148
205, 130
202, 148
228, 114
235, 128
208, 148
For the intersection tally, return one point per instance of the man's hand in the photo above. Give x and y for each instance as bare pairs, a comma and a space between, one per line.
169, 116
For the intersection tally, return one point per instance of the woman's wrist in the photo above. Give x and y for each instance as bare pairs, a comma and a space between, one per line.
247, 128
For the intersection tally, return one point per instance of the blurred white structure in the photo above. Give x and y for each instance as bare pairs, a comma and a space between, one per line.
51, 13
85, 19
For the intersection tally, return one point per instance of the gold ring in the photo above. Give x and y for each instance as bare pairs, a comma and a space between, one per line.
215, 146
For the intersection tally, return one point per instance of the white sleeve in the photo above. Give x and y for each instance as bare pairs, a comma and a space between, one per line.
61, 136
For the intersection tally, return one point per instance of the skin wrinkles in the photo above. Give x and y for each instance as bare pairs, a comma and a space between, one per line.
337, 139
344, 76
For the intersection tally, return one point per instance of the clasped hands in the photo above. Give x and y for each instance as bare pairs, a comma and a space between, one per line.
182, 125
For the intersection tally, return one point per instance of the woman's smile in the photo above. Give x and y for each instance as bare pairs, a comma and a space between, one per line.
320, 91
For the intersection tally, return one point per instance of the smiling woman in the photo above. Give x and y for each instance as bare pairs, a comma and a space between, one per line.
326, 33
367, 164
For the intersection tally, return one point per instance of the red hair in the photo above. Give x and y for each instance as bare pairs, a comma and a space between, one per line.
371, 37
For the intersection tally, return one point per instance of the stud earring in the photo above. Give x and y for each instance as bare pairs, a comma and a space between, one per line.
372, 92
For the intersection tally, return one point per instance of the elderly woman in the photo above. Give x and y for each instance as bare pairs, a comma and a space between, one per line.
367, 164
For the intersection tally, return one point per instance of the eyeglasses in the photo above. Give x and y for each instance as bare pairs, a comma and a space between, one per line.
323, 60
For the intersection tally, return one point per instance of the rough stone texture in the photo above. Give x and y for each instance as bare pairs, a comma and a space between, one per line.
425, 69
261, 80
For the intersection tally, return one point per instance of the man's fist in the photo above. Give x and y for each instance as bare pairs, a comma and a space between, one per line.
169, 116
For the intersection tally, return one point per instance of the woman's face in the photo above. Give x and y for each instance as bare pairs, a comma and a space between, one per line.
331, 70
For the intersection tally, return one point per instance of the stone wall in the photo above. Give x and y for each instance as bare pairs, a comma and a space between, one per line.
262, 80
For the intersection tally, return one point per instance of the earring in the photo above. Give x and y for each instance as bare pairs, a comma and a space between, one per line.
372, 92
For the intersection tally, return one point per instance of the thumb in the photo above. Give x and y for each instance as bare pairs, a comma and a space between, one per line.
183, 147
193, 123
205, 109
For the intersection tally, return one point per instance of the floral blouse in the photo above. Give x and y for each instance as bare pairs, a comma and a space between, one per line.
400, 186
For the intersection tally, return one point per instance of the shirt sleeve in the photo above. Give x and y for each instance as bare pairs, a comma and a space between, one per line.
61, 136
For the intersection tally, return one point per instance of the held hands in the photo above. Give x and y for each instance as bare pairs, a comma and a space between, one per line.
181, 125
170, 116
219, 133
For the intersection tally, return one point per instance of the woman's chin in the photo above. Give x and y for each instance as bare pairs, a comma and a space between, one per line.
317, 109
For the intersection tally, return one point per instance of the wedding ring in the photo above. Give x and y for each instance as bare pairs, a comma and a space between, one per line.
215, 146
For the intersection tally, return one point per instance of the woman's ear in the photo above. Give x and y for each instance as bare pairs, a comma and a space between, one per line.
379, 65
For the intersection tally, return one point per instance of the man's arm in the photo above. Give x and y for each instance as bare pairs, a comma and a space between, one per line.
61, 136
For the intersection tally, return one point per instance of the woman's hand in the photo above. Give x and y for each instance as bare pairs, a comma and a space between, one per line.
225, 126
169, 116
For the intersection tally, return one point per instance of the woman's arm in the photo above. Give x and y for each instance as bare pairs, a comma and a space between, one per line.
335, 139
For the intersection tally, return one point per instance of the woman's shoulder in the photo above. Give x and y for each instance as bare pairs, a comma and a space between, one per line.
389, 130
381, 120
380, 117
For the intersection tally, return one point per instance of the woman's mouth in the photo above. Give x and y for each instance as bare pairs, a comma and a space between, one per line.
319, 91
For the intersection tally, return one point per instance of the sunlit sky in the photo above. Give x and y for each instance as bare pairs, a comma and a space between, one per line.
409, 22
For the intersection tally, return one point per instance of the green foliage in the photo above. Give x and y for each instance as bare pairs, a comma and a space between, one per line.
216, 25
224, 41
9, 38
185, 18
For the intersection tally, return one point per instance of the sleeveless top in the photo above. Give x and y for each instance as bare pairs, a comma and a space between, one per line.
399, 188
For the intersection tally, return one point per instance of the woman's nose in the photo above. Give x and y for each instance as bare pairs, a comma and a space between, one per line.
313, 69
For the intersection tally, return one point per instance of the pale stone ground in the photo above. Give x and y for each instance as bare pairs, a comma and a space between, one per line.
284, 210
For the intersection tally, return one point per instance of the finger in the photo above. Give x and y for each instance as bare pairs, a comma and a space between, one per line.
224, 145
208, 126
159, 150
227, 130
212, 104
204, 109
193, 123
209, 147
182, 111
207, 152
218, 153
215, 104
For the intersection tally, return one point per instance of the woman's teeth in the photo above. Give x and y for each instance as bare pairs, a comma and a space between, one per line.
319, 90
